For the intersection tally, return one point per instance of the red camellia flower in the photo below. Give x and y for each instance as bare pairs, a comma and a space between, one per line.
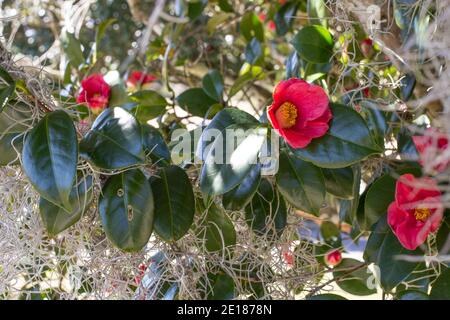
95, 93
138, 79
333, 257
417, 210
430, 147
299, 112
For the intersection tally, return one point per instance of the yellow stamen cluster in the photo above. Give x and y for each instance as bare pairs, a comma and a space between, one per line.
286, 115
422, 214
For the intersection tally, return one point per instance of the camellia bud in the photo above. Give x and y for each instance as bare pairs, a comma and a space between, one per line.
333, 257
367, 48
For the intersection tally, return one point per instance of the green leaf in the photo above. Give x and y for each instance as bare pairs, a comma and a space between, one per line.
50, 156
355, 282
195, 8
240, 196
72, 48
150, 104
6, 76
5, 95
216, 20
225, 6
326, 296
213, 85
8, 154
195, 101
331, 234
349, 208
219, 233
376, 121
220, 286
411, 295
119, 95
314, 44
253, 51
251, 27
339, 182
440, 287
347, 141
267, 211
175, 205
57, 220
126, 208
114, 140
285, 17
317, 12
221, 121
383, 249
255, 73
231, 158
154, 144
301, 183
100, 33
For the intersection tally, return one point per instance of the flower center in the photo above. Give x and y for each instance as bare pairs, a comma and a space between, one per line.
286, 115
422, 214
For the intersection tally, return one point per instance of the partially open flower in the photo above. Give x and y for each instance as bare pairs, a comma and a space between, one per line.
416, 211
95, 93
139, 80
300, 112
367, 48
431, 147
333, 257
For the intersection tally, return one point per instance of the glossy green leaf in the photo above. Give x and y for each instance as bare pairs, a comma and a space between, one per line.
314, 44
251, 27
119, 95
220, 286
6, 76
331, 234
149, 105
339, 182
267, 211
383, 249
231, 158
195, 8
195, 101
253, 51
126, 208
72, 48
349, 208
175, 203
5, 94
50, 156
240, 196
8, 145
218, 231
213, 85
411, 295
114, 140
301, 183
154, 145
317, 12
57, 220
440, 288
355, 282
285, 16
225, 6
347, 141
